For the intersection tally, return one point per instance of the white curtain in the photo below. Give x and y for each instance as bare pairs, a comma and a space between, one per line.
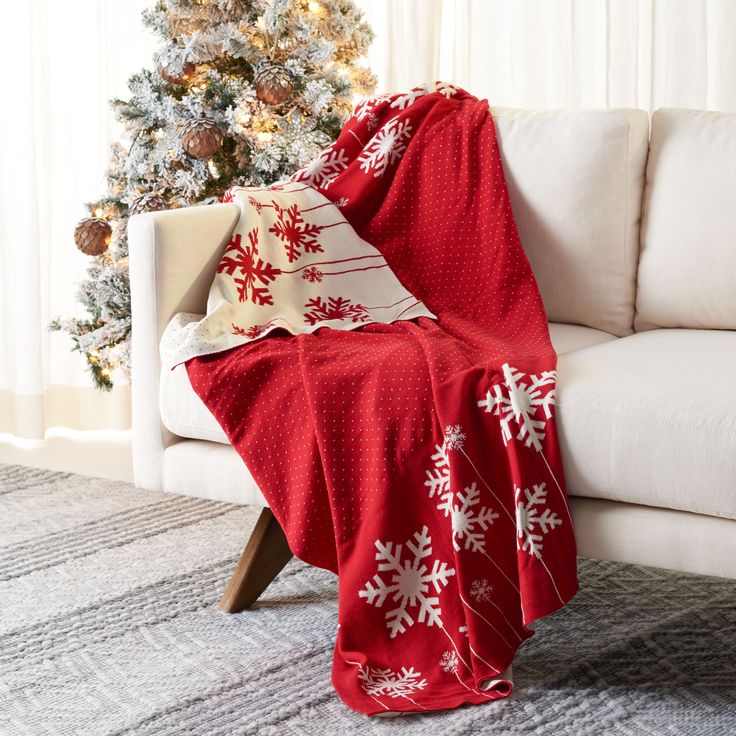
63, 61
563, 53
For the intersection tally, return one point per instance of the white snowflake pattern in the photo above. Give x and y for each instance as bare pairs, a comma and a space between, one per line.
386, 147
519, 399
438, 478
454, 437
449, 662
322, 170
480, 590
377, 681
468, 524
409, 584
531, 526
403, 101
446, 89
366, 107
342, 202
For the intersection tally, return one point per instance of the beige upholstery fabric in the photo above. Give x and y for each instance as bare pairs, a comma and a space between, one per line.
209, 470
173, 257
687, 271
575, 337
184, 414
651, 419
642, 535
575, 178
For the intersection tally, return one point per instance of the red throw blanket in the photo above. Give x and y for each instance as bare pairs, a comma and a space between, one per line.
418, 460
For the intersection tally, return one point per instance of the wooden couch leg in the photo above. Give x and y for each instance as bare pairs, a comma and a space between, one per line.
263, 558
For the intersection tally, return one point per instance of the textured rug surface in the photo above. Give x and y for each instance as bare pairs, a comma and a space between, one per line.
109, 625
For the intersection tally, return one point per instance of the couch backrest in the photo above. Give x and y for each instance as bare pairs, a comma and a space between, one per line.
687, 267
576, 180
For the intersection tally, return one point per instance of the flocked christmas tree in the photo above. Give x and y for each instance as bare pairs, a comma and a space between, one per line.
243, 92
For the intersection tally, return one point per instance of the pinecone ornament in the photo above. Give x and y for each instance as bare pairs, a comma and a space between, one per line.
92, 235
148, 203
273, 85
201, 138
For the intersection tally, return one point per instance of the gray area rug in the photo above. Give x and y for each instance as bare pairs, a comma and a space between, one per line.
109, 625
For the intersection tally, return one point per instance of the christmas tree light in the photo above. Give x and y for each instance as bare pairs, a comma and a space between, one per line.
244, 92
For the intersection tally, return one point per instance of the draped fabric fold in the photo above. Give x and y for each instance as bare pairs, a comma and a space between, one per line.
416, 458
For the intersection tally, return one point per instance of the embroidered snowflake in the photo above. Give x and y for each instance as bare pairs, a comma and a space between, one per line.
403, 101
291, 229
366, 107
438, 478
463, 630
480, 591
449, 662
377, 681
254, 270
454, 437
468, 524
312, 274
322, 170
520, 399
531, 526
386, 147
409, 583
445, 89
253, 202
342, 202
334, 308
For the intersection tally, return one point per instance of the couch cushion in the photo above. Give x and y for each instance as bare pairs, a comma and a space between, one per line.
575, 179
566, 338
184, 413
687, 271
651, 419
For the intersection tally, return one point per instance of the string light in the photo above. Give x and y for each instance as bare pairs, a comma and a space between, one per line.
314, 7
264, 136
99, 212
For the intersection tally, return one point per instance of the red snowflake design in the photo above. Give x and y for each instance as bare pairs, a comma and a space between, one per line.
252, 332
255, 203
253, 269
312, 274
334, 308
294, 232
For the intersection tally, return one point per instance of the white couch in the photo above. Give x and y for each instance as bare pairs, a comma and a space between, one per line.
631, 232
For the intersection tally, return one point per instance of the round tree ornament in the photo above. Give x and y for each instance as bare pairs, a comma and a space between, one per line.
148, 203
92, 235
201, 138
273, 85
176, 76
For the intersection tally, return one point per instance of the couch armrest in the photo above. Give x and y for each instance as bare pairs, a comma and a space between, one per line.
173, 257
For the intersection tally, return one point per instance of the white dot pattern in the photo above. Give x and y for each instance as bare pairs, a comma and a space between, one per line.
338, 428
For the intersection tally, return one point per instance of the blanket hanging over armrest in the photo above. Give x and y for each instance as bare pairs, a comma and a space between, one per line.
413, 453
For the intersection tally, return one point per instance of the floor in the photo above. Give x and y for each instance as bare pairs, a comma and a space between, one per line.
103, 453
109, 626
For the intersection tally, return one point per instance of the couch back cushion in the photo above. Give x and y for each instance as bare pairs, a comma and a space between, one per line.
687, 267
576, 180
